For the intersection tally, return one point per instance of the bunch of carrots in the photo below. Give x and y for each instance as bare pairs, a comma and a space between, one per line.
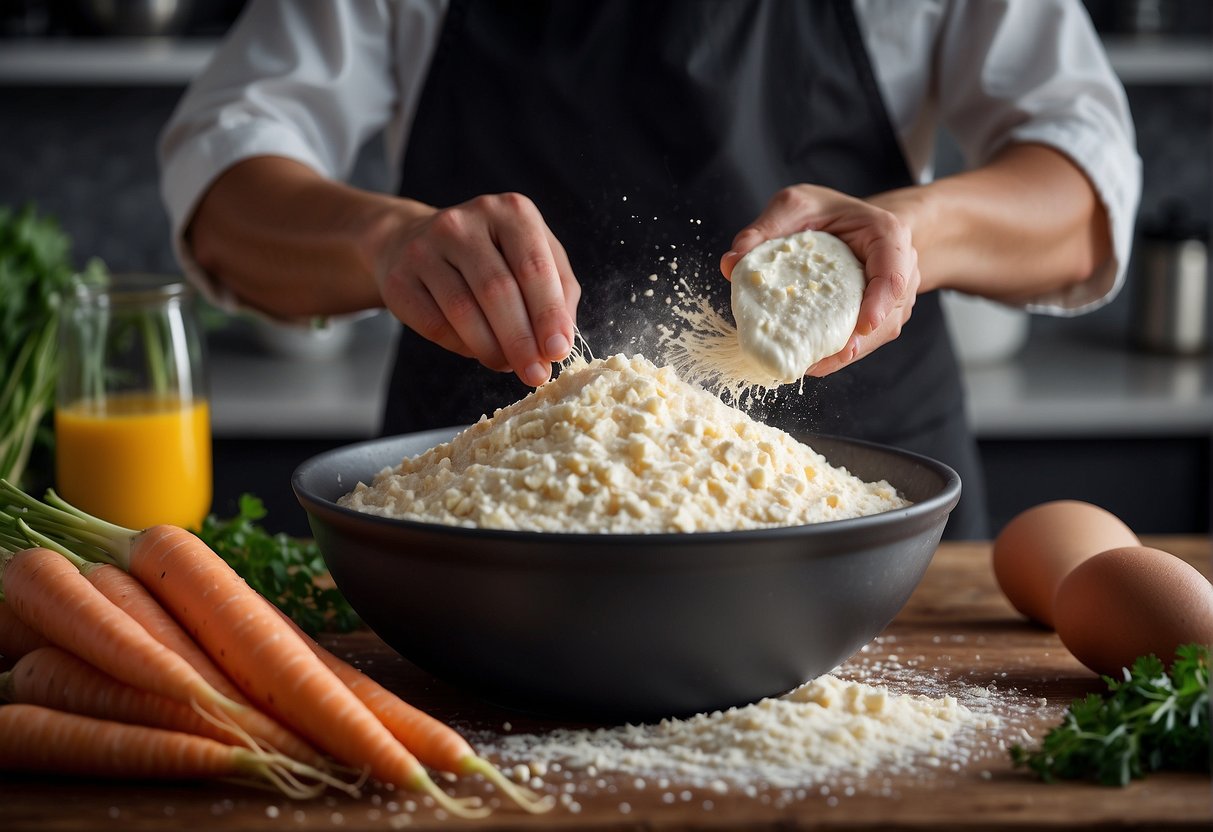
143, 654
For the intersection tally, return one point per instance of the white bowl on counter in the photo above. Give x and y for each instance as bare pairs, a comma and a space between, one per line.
304, 340
983, 331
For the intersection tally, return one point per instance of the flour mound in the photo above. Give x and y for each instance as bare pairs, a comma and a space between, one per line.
620, 445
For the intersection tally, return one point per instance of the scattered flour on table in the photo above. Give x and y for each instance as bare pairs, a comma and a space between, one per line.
620, 445
825, 729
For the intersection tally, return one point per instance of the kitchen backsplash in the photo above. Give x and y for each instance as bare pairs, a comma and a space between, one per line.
88, 156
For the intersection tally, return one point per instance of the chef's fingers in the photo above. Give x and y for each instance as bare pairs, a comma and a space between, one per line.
888, 300
568, 281
789, 211
884, 245
415, 307
462, 309
524, 241
470, 238
891, 269
407, 296
857, 347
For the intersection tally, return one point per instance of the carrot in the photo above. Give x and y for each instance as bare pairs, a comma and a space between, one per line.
244, 635
53, 678
132, 597
47, 593
36, 739
16, 638
431, 740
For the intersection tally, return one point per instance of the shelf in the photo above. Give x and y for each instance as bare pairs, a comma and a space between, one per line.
156, 61
108, 61
1161, 60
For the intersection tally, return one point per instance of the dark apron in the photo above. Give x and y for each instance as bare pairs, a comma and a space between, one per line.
651, 132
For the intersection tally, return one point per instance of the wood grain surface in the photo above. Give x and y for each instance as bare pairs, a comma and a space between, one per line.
956, 635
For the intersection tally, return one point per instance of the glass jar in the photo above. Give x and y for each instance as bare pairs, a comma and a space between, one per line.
132, 422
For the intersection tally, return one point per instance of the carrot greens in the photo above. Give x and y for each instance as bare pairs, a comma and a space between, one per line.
1150, 721
287, 571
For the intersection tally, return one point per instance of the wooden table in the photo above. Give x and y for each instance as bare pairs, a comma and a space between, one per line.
957, 629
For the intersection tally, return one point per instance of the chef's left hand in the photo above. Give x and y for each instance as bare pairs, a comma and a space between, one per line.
879, 238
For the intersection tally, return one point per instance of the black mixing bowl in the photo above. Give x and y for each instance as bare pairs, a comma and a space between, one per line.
612, 627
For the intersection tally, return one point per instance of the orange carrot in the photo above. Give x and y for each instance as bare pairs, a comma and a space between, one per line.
431, 740
126, 593
54, 678
244, 635
16, 638
47, 593
37, 739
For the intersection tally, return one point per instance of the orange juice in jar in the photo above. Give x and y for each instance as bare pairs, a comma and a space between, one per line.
132, 422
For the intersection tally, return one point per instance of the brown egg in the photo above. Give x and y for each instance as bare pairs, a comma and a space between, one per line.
1128, 602
1039, 547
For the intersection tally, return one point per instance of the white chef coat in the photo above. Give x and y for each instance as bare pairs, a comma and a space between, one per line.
313, 81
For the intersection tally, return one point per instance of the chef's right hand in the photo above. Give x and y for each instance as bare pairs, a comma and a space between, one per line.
879, 237
486, 279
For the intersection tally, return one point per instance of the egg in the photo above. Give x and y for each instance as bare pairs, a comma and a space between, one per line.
1131, 601
1039, 547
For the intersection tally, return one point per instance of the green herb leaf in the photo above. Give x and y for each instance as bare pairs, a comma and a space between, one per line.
288, 571
1149, 721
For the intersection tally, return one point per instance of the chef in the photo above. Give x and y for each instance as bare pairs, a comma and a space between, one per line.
551, 155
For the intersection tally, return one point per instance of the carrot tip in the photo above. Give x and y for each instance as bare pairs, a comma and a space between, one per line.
460, 807
267, 769
521, 795
224, 722
288, 768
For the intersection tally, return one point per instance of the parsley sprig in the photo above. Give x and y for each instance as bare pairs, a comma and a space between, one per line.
288, 571
1148, 722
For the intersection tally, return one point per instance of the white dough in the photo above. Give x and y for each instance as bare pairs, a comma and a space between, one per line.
796, 301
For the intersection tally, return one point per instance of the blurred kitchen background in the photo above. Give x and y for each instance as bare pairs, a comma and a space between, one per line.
1115, 407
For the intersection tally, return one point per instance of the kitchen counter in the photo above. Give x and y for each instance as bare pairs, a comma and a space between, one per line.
956, 633
257, 393
1063, 386
1056, 387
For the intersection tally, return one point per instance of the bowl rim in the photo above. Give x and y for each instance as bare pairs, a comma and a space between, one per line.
941, 502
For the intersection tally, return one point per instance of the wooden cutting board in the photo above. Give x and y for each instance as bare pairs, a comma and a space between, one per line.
956, 633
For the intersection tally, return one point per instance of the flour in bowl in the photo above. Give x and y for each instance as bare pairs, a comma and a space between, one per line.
619, 445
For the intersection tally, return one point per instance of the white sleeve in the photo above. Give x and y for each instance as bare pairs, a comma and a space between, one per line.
310, 81
1035, 71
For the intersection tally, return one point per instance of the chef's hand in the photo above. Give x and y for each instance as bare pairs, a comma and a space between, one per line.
486, 279
879, 239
